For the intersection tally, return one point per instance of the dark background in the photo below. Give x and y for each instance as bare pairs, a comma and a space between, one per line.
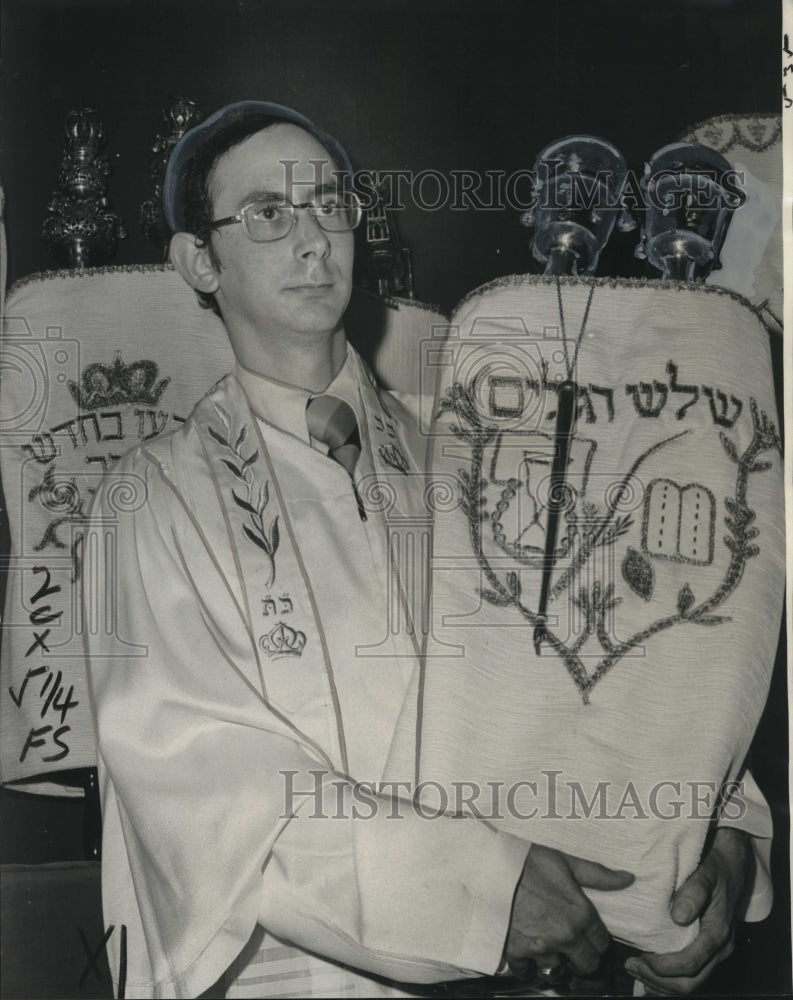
436, 85
440, 84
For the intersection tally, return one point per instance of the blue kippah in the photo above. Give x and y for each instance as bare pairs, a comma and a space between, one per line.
191, 142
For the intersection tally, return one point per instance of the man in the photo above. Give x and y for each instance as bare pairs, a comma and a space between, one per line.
237, 845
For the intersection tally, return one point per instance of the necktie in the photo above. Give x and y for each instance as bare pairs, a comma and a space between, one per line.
332, 421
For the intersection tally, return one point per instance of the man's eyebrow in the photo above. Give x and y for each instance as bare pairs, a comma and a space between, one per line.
262, 195
330, 188
267, 195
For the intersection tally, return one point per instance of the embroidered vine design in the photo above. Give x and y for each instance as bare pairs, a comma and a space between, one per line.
593, 529
391, 455
63, 498
255, 500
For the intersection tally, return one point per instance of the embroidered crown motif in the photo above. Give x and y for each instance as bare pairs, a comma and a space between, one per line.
283, 641
119, 383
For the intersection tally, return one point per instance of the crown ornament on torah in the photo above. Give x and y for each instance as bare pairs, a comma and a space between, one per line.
690, 195
80, 229
179, 117
577, 192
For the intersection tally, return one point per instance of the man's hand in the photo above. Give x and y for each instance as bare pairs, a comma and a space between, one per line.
551, 917
712, 893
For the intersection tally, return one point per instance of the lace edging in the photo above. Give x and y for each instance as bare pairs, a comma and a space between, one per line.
605, 281
740, 125
86, 272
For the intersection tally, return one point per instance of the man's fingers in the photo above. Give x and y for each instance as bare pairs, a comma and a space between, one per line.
597, 935
582, 957
551, 913
591, 875
640, 968
522, 968
655, 988
693, 896
710, 893
547, 961
698, 957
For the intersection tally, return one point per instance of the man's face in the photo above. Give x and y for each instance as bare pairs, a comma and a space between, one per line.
297, 287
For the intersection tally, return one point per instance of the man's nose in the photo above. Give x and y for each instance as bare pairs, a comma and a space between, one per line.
310, 238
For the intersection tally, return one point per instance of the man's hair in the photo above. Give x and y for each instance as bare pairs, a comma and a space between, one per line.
196, 196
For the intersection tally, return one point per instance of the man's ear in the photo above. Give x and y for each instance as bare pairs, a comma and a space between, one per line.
193, 262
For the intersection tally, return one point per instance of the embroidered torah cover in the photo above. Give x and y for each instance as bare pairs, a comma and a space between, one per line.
93, 363
618, 739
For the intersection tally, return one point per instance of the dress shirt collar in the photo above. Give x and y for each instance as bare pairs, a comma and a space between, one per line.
284, 405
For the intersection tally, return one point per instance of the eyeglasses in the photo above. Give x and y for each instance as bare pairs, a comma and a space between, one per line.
265, 221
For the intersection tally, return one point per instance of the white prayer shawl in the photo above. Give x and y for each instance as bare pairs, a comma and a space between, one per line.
666, 586
229, 682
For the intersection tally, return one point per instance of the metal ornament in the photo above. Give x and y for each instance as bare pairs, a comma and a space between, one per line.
179, 118
689, 204
79, 228
578, 198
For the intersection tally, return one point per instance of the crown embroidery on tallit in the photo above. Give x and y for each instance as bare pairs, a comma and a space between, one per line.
283, 640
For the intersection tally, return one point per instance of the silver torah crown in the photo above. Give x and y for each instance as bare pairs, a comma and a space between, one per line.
577, 191
690, 195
